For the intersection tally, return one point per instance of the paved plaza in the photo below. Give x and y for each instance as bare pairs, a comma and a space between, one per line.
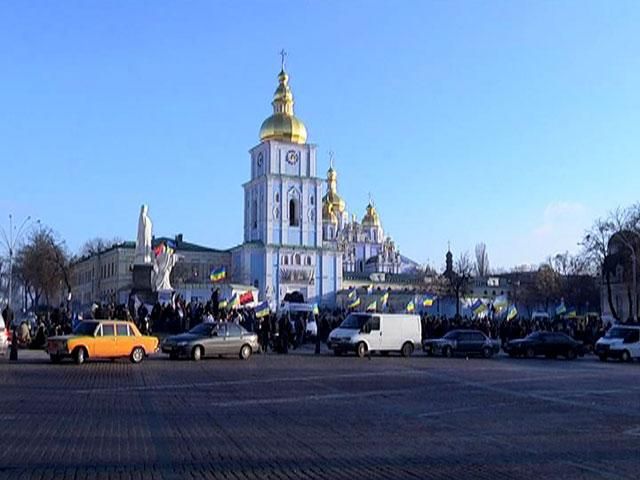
301, 416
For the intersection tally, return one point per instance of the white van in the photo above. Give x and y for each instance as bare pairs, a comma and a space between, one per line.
305, 312
621, 342
376, 332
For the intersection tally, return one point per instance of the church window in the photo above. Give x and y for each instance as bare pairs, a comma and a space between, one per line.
308, 260
293, 213
297, 259
254, 214
277, 197
311, 200
285, 260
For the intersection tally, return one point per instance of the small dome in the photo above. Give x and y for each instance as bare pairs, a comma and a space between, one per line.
328, 215
371, 218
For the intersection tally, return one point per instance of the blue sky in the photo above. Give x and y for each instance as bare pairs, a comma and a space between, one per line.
512, 123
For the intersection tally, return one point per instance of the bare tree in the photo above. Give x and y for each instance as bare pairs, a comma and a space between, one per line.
459, 278
43, 264
482, 260
97, 245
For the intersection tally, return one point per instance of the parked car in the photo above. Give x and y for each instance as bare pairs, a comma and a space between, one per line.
462, 342
211, 339
102, 339
549, 344
4, 337
376, 332
621, 342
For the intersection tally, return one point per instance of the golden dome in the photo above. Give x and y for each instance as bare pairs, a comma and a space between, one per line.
332, 196
283, 125
328, 215
371, 218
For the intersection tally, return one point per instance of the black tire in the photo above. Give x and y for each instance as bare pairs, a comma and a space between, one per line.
196, 353
571, 354
530, 352
603, 357
245, 352
361, 349
407, 349
55, 358
137, 355
625, 356
79, 355
487, 352
447, 352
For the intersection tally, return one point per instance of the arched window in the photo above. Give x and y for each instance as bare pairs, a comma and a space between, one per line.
293, 213
308, 260
254, 214
297, 259
285, 260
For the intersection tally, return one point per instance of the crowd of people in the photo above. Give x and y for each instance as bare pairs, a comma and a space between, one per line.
281, 332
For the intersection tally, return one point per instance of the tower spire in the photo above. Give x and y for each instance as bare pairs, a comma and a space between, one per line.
283, 55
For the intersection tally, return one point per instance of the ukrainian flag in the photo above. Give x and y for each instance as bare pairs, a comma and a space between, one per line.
372, 307
316, 310
560, 309
352, 294
478, 307
235, 301
512, 313
355, 303
222, 304
427, 301
218, 274
383, 299
571, 313
411, 306
262, 310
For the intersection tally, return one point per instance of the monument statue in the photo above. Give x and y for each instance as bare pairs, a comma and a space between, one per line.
163, 264
143, 242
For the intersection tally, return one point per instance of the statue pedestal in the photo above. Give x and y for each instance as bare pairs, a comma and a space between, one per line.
142, 284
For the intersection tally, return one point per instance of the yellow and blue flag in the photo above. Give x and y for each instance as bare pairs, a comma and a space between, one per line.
262, 310
235, 301
316, 310
218, 274
478, 307
411, 306
355, 303
512, 313
352, 294
384, 299
372, 307
223, 304
560, 309
427, 301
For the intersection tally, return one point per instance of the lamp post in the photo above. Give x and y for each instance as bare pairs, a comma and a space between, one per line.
11, 240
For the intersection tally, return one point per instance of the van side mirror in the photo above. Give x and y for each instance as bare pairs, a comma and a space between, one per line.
366, 328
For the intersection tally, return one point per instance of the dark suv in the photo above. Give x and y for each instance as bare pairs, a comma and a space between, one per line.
463, 342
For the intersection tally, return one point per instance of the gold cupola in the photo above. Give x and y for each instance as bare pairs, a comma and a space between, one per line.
328, 215
332, 196
371, 218
283, 125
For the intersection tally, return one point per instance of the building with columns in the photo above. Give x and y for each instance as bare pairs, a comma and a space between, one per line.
284, 250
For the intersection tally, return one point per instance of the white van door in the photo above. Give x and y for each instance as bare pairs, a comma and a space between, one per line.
375, 333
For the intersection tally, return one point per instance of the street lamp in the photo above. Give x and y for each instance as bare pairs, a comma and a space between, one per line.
10, 241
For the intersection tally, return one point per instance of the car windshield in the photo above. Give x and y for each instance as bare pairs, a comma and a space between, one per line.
202, 329
617, 332
354, 321
85, 328
451, 335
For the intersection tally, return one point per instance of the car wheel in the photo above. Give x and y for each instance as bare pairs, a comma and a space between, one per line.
447, 352
80, 355
55, 358
571, 354
625, 356
245, 352
196, 353
602, 357
137, 355
407, 349
530, 353
361, 349
487, 352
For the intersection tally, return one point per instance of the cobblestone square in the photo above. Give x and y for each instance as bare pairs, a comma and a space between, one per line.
302, 416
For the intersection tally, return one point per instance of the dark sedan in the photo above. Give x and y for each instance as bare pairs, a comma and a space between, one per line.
464, 342
211, 339
549, 344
